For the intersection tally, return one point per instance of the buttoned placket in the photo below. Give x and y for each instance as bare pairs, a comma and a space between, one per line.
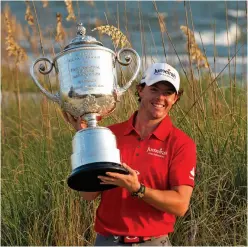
137, 149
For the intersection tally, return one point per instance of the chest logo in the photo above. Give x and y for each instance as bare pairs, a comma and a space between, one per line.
156, 152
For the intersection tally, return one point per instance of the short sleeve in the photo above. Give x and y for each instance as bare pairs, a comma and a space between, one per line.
183, 165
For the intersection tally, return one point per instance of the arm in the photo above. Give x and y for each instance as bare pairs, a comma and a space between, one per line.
89, 196
175, 201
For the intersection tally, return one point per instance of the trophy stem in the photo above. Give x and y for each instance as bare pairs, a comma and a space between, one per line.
91, 119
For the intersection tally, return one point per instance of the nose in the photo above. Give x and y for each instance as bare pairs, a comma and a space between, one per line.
162, 96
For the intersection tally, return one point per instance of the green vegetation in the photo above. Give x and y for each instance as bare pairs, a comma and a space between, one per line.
38, 208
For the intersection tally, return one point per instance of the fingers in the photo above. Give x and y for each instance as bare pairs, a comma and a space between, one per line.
72, 120
83, 125
68, 117
129, 182
65, 116
121, 176
77, 123
107, 180
131, 171
115, 175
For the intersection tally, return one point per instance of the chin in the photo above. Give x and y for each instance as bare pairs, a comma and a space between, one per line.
159, 115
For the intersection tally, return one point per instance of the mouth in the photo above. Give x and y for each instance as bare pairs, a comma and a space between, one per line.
157, 105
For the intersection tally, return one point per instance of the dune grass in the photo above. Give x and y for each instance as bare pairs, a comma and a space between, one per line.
38, 208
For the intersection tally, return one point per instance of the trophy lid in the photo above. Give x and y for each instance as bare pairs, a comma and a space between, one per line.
82, 39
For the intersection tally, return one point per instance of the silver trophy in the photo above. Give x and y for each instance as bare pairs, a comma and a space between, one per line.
89, 89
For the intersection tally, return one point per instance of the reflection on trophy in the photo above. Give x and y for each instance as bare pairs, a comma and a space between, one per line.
89, 89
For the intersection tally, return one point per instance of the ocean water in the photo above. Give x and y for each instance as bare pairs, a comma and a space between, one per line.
220, 28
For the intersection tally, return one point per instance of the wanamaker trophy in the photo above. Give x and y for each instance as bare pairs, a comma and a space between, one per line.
88, 88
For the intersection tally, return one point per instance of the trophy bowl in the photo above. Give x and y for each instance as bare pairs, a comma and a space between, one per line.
88, 88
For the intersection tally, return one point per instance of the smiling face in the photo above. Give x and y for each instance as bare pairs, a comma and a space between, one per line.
157, 100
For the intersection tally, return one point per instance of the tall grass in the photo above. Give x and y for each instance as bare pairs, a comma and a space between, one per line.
38, 208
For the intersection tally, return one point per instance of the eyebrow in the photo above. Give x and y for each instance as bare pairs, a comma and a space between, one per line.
170, 88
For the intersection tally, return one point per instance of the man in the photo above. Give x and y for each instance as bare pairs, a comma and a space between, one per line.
161, 161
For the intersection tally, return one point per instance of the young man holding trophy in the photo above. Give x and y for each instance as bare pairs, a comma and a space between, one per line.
143, 168
160, 160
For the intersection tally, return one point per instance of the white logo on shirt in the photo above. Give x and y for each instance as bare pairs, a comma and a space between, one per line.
192, 173
160, 153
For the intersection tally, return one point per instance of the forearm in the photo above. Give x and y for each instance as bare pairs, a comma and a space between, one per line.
89, 196
174, 201
169, 201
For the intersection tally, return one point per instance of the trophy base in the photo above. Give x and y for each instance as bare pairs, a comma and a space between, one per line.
85, 177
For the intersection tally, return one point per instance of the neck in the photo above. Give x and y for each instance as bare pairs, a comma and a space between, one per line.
144, 125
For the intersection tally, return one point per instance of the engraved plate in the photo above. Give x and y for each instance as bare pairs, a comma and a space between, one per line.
87, 72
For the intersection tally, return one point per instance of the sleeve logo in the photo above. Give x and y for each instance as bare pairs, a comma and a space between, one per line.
192, 174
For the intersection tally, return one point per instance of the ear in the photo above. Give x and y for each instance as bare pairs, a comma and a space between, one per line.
139, 89
175, 98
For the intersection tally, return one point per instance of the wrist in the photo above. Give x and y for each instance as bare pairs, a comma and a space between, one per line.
140, 193
135, 188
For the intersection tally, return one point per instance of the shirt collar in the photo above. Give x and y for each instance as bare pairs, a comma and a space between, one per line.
130, 125
163, 129
161, 132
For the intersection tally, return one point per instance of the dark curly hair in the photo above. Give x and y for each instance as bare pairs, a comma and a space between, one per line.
142, 85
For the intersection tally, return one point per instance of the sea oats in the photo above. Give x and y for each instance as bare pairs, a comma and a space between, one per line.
193, 49
28, 36
44, 3
16, 27
91, 3
12, 48
70, 10
162, 23
17, 30
98, 22
31, 37
118, 38
28, 15
60, 32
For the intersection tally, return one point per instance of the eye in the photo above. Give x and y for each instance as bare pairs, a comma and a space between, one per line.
153, 89
167, 93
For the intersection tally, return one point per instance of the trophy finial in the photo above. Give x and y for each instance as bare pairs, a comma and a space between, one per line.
81, 29
81, 38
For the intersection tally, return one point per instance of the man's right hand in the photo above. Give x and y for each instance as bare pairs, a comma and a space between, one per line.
77, 123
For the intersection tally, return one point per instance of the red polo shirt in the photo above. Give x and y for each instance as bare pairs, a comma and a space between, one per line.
166, 158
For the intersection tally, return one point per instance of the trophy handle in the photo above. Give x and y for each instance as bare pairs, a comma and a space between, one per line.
128, 59
42, 70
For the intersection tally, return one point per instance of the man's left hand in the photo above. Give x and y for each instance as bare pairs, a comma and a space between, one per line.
130, 181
